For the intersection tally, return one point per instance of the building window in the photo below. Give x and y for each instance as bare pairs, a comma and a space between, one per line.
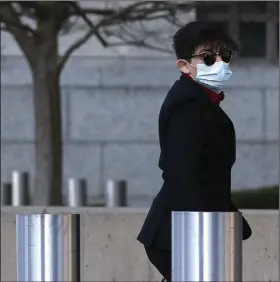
222, 25
252, 40
251, 24
259, 7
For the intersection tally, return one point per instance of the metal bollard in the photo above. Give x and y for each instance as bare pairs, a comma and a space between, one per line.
6, 194
116, 193
77, 191
20, 188
206, 246
48, 247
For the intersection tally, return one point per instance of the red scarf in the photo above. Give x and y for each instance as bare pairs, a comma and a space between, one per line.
212, 95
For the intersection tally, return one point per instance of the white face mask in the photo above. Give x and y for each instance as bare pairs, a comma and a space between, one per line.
213, 76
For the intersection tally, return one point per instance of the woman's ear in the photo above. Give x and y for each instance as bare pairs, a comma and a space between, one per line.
183, 66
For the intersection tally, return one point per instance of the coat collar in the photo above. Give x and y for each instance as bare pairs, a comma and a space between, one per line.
213, 96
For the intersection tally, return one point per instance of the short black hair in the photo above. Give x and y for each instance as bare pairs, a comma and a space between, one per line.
195, 34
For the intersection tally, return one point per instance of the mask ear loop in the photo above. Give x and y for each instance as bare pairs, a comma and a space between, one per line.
190, 65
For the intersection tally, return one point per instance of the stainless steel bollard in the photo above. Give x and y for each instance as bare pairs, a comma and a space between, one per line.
77, 191
48, 247
20, 188
6, 194
116, 193
206, 246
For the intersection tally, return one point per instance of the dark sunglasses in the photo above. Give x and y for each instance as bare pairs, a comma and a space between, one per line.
209, 58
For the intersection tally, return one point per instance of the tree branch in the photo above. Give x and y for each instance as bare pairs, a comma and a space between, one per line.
146, 10
21, 27
141, 44
17, 29
142, 11
28, 8
74, 47
93, 31
81, 13
174, 21
96, 11
130, 38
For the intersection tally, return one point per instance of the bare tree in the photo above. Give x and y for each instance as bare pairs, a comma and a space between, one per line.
36, 27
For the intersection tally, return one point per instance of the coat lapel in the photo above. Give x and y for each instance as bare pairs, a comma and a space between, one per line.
226, 126
223, 121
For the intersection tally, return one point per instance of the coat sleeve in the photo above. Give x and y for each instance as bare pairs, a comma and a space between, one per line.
247, 231
184, 141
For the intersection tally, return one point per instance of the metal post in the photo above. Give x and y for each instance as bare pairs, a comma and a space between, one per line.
48, 247
206, 246
20, 188
6, 194
116, 193
77, 191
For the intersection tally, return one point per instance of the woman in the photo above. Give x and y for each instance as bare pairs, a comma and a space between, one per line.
197, 139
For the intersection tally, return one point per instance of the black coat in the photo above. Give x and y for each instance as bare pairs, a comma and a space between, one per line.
198, 150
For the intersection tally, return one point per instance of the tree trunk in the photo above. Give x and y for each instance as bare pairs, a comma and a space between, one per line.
47, 104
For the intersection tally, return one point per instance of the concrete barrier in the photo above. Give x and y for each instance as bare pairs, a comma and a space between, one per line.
110, 251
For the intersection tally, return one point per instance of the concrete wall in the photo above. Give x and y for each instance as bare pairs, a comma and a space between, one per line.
110, 109
110, 251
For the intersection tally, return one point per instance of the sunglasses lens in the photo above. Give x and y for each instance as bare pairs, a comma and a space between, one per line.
226, 56
209, 59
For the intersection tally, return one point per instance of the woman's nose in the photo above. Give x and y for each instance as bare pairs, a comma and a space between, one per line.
218, 58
